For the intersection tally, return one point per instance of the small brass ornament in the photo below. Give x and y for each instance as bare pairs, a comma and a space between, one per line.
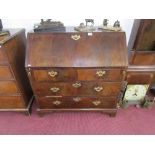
89, 27
105, 27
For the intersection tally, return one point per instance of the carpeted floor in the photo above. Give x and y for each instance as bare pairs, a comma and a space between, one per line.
128, 121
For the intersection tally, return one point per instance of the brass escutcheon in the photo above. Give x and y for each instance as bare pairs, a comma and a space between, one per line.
75, 37
57, 102
52, 73
76, 85
76, 99
98, 89
101, 73
96, 102
54, 89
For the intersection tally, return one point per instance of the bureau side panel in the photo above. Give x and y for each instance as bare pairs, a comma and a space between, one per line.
15, 50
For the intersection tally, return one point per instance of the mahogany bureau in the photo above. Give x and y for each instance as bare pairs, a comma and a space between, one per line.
76, 70
15, 90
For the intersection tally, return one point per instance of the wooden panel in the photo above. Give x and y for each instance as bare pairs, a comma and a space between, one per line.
5, 73
144, 38
2, 56
15, 50
86, 88
140, 78
60, 50
11, 102
55, 74
8, 87
100, 74
68, 102
142, 58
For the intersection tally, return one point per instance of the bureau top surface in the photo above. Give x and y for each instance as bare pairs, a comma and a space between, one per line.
12, 33
76, 49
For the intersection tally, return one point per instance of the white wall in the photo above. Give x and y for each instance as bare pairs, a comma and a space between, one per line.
28, 23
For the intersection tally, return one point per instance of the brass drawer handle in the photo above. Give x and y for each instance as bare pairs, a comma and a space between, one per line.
76, 85
75, 37
96, 102
55, 89
76, 99
52, 73
98, 89
57, 102
101, 73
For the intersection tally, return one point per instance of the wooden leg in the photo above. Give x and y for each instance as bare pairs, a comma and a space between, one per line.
41, 114
113, 114
29, 109
27, 113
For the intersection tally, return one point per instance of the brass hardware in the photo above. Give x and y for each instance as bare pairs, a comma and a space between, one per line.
29, 71
98, 89
75, 37
76, 85
76, 99
119, 105
57, 102
96, 102
55, 89
101, 73
124, 72
52, 73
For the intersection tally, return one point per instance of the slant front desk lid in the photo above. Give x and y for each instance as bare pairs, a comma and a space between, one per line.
74, 49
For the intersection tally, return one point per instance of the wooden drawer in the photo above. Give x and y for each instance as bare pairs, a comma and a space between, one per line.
71, 74
10, 102
76, 102
142, 58
5, 73
54, 74
8, 87
101, 74
78, 88
139, 78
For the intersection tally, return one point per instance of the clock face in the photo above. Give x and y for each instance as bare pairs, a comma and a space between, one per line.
135, 92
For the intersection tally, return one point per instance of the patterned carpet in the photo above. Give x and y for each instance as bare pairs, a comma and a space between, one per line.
128, 121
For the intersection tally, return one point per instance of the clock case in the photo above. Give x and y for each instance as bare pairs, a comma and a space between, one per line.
141, 57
